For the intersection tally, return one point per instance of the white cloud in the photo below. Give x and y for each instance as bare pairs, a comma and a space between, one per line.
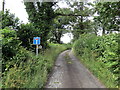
17, 7
1, 5
62, 4
67, 38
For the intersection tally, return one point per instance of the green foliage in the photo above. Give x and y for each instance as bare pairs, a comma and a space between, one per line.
81, 23
10, 44
22, 68
26, 32
58, 28
109, 52
108, 17
29, 70
9, 20
41, 15
102, 51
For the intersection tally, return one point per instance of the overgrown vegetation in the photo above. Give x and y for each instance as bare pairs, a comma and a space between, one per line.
41, 16
29, 70
22, 68
100, 55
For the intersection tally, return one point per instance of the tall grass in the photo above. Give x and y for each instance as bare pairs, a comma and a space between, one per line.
31, 71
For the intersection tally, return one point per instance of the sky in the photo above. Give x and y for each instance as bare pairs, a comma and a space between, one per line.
17, 7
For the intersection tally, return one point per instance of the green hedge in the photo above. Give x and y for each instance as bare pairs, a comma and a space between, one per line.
100, 52
22, 68
10, 45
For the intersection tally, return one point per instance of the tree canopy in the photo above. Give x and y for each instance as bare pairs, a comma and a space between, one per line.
41, 15
9, 20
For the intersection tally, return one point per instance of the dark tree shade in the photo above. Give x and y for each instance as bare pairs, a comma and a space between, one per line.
41, 15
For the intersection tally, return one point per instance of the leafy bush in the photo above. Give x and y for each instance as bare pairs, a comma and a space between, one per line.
24, 71
101, 49
10, 45
9, 20
26, 32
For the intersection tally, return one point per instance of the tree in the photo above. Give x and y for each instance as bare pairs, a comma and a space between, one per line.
108, 17
59, 24
81, 24
9, 20
10, 45
26, 32
58, 29
41, 15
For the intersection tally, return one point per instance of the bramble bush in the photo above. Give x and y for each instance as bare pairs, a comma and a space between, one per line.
101, 49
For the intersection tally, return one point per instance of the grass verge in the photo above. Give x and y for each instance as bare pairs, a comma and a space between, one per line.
98, 69
100, 55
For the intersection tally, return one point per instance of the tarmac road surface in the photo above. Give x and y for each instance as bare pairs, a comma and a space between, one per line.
68, 72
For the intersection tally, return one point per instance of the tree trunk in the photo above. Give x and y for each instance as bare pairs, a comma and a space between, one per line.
58, 41
81, 19
59, 37
3, 5
103, 32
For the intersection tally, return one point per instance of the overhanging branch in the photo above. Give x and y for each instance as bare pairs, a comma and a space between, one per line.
59, 14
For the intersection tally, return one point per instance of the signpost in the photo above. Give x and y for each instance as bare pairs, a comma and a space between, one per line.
36, 41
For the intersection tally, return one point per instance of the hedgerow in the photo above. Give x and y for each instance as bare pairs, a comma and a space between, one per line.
22, 68
102, 51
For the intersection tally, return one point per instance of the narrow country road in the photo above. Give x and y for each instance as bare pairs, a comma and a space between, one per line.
70, 73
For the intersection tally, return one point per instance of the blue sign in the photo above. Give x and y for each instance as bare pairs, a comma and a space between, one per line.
36, 40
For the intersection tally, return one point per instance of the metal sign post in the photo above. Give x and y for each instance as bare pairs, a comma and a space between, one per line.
36, 49
36, 41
